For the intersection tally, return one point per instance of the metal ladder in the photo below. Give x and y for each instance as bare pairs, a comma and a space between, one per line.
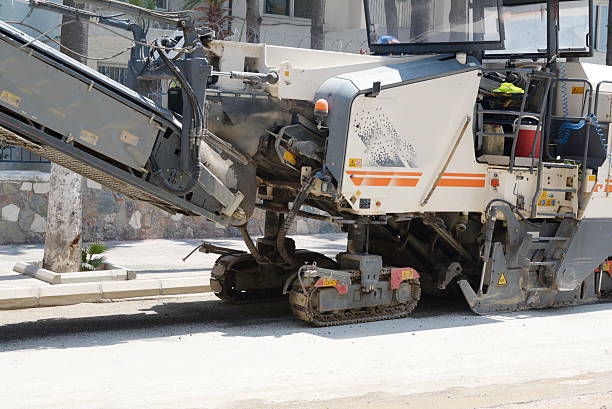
521, 113
552, 249
584, 179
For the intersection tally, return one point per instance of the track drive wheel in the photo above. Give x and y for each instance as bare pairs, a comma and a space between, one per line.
239, 279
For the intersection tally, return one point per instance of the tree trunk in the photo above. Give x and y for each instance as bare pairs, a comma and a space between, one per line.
458, 21
317, 34
391, 18
64, 214
421, 20
253, 21
609, 46
64, 221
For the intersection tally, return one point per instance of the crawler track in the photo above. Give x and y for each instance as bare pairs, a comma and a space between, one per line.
227, 267
301, 307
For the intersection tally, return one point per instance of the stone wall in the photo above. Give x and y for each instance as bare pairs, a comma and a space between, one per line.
108, 215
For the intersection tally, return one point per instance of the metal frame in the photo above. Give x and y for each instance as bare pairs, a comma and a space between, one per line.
19, 158
39, 137
439, 47
548, 54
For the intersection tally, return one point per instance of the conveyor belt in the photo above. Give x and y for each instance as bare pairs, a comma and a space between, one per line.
85, 169
72, 115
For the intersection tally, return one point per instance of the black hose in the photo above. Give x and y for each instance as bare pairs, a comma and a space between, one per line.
251, 246
195, 134
282, 232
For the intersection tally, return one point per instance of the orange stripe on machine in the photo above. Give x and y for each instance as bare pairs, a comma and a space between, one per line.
452, 179
461, 182
411, 179
377, 173
383, 179
465, 175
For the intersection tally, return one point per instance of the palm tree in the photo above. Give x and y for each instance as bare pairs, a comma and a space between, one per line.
317, 34
421, 18
216, 16
253, 21
391, 18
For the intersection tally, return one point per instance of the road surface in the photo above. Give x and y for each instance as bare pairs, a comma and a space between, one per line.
197, 352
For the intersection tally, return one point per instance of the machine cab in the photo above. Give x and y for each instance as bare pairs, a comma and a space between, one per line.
496, 28
531, 77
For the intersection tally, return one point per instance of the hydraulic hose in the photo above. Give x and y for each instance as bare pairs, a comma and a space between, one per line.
567, 127
251, 246
194, 137
282, 232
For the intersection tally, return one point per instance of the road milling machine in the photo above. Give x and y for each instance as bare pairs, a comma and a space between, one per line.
468, 151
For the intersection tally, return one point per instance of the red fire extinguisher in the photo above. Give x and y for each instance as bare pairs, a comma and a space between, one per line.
526, 136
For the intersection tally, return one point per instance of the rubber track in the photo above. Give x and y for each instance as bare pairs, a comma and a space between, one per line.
301, 309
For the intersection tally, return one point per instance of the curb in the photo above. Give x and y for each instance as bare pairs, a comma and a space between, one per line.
112, 273
69, 294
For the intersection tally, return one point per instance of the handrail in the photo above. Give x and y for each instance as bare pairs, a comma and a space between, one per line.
597, 92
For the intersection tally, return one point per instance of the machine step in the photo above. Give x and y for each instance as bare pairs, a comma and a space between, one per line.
553, 238
538, 289
505, 135
551, 189
542, 263
559, 165
503, 112
556, 214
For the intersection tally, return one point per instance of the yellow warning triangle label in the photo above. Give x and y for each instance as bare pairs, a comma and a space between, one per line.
502, 280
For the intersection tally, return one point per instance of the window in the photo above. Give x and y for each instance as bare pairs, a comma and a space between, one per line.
113, 72
433, 25
161, 4
526, 32
289, 8
302, 8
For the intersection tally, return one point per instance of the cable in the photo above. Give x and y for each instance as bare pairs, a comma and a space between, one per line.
297, 204
251, 246
157, 47
45, 34
69, 49
566, 126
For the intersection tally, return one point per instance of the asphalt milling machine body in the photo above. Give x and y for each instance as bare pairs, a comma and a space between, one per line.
453, 157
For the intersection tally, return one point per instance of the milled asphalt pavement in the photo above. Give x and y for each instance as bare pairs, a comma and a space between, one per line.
195, 351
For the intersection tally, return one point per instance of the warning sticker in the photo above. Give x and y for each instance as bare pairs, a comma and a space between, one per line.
10, 99
129, 138
355, 163
578, 90
502, 280
89, 137
326, 282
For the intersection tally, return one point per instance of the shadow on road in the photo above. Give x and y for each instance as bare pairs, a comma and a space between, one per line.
255, 320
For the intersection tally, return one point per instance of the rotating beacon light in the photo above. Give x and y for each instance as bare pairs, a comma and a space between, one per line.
321, 110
